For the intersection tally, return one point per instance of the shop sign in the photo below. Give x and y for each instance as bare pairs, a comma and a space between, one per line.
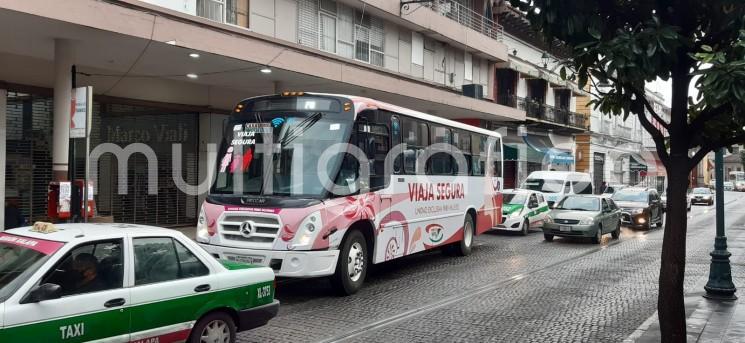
80, 111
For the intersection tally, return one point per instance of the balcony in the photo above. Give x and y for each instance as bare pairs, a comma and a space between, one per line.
546, 113
468, 18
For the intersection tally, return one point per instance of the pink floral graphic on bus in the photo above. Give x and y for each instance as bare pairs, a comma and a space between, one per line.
391, 250
361, 207
288, 233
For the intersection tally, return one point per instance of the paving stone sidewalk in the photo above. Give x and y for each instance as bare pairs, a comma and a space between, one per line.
708, 320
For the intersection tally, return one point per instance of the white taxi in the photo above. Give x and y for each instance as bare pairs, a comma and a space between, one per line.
522, 210
124, 283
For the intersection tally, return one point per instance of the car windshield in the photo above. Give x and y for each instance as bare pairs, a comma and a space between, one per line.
544, 185
701, 191
630, 196
297, 141
579, 204
19, 258
514, 199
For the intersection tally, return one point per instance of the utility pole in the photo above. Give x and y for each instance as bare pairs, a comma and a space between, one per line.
720, 284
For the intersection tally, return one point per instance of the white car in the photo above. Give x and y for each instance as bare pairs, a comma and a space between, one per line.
522, 210
124, 283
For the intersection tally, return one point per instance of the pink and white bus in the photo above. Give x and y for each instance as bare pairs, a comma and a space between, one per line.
319, 185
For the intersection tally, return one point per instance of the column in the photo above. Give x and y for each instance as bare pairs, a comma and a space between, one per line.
63, 61
3, 150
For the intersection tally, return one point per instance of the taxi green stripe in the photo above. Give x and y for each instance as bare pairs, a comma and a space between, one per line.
142, 317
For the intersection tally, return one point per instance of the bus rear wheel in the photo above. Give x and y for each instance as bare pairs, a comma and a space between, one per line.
351, 267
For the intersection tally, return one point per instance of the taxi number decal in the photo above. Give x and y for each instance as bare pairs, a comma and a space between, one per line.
72, 331
263, 291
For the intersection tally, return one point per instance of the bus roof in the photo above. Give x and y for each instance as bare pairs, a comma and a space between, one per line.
362, 103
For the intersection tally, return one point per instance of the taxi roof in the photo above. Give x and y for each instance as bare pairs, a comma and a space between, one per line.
81, 231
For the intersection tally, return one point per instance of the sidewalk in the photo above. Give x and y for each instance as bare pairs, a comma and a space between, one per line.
708, 320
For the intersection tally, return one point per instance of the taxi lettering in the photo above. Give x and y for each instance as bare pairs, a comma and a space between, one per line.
72, 331
148, 340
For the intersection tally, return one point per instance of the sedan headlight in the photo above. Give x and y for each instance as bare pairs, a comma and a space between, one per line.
707, 197
548, 219
586, 221
307, 231
637, 211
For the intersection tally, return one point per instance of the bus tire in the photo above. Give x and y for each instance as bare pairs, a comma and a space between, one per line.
351, 267
216, 325
463, 248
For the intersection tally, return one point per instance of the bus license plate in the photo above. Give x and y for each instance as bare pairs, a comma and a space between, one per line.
565, 228
246, 259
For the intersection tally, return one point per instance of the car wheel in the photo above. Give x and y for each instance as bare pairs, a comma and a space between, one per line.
548, 238
463, 248
617, 232
598, 235
659, 223
525, 227
214, 327
351, 268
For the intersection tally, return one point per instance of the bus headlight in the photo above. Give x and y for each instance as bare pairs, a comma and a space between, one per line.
308, 231
203, 234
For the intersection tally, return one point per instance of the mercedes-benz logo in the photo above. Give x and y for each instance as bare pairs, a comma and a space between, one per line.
247, 228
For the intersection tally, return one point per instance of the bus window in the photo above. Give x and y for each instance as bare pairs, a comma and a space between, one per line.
496, 150
463, 143
440, 163
396, 140
478, 154
373, 139
416, 137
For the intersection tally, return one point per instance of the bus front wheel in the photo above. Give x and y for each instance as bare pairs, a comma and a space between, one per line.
351, 267
463, 248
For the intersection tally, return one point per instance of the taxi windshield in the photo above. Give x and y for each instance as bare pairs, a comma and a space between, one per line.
514, 199
20, 257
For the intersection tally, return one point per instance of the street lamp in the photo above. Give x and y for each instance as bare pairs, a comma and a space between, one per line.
720, 284
545, 59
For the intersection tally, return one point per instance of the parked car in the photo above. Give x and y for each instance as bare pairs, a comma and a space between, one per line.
556, 184
729, 186
611, 189
640, 207
122, 283
663, 199
522, 210
583, 216
701, 195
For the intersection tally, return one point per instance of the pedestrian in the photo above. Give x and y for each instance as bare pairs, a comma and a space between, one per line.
13, 216
603, 187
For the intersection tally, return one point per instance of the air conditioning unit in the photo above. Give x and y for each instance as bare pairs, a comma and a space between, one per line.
474, 91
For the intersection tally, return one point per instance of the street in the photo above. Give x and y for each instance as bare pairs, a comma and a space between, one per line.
511, 289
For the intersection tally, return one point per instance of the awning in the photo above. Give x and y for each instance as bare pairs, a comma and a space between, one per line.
529, 70
543, 145
636, 163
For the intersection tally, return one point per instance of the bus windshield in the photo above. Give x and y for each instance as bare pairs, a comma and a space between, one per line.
297, 139
544, 185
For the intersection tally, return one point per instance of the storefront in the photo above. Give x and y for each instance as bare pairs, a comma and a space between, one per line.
29, 159
524, 154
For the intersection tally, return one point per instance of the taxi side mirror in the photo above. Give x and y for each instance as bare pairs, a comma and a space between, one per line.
43, 292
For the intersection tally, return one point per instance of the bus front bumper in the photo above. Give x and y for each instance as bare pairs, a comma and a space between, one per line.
284, 263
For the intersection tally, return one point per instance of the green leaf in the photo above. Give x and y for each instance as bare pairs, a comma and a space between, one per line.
593, 32
706, 48
563, 73
651, 49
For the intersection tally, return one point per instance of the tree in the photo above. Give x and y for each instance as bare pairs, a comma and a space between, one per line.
631, 42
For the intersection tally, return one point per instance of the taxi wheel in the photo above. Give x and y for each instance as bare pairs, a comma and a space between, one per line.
214, 327
351, 267
617, 232
525, 227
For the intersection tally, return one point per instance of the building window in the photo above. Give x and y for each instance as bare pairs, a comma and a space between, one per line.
327, 23
417, 48
345, 32
362, 43
468, 62
377, 39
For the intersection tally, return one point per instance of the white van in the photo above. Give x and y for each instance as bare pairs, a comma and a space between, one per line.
556, 184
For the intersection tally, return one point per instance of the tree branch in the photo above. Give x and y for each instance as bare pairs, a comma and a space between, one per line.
714, 145
640, 95
659, 140
698, 157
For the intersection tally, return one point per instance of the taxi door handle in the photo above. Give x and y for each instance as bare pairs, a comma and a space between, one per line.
114, 302
202, 288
